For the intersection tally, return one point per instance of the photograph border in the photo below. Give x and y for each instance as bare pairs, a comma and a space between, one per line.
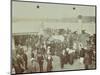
58, 4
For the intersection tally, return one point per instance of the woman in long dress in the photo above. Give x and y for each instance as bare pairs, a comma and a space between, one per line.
35, 65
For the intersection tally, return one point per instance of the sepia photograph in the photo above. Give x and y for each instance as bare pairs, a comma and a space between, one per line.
52, 37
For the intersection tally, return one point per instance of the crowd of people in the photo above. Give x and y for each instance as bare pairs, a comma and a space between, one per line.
39, 51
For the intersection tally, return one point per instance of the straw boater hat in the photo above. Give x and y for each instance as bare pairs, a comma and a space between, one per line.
67, 49
85, 48
33, 59
48, 47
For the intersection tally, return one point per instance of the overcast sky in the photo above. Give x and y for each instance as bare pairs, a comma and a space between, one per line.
26, 12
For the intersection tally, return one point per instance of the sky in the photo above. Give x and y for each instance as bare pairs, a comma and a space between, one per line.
26, 17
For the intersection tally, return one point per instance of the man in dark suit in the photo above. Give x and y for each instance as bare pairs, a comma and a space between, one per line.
24, 56
40, 61
49, 63
62, 58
